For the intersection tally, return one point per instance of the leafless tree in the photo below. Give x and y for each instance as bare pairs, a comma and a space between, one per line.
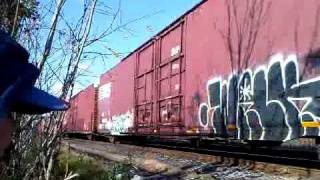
57, 48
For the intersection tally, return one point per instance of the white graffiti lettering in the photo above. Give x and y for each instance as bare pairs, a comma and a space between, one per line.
268, 104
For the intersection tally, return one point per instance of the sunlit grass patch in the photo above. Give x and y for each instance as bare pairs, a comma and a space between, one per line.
82, 167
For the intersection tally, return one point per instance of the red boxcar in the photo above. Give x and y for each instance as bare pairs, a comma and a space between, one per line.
115, 102
81, 116
271, 92
237, 69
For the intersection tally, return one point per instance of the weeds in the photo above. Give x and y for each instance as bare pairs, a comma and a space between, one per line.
81, 167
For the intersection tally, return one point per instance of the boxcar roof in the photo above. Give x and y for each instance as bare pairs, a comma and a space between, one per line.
157, 34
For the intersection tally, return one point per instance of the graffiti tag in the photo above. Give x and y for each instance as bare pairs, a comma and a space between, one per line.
118, 124
270, 103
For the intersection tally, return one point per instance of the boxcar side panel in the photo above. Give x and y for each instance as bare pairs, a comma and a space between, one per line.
115, 102
80, 116
271, 94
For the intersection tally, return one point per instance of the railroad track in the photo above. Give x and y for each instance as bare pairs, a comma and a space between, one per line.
278, 159
155, 162
298, 157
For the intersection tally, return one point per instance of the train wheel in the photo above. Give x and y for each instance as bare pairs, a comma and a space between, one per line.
113, 139
89, 136
140, 140
195, 142
318, 146
318, 151
255, 144
66, 135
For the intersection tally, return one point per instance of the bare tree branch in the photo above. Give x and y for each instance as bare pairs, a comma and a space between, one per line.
51, 34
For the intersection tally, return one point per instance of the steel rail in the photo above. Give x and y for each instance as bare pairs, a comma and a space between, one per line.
276, 158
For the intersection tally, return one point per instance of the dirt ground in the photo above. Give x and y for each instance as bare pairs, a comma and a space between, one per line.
154, 163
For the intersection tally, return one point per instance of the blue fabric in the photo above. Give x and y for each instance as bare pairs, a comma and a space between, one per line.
38, 102
22, 85
17, 79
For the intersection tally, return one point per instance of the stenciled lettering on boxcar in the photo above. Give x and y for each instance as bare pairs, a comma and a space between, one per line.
270, 103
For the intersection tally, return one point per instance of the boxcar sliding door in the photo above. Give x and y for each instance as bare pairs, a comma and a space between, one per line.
170, 69
144, 89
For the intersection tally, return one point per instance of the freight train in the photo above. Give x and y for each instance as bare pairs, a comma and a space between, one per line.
236, 70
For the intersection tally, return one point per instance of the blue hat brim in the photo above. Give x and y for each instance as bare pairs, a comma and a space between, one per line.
37, 101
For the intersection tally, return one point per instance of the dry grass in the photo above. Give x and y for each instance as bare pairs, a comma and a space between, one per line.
85, 167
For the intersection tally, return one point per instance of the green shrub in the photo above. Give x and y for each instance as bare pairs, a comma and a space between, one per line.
89, 168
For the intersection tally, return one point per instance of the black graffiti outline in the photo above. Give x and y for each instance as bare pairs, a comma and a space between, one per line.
289, 97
